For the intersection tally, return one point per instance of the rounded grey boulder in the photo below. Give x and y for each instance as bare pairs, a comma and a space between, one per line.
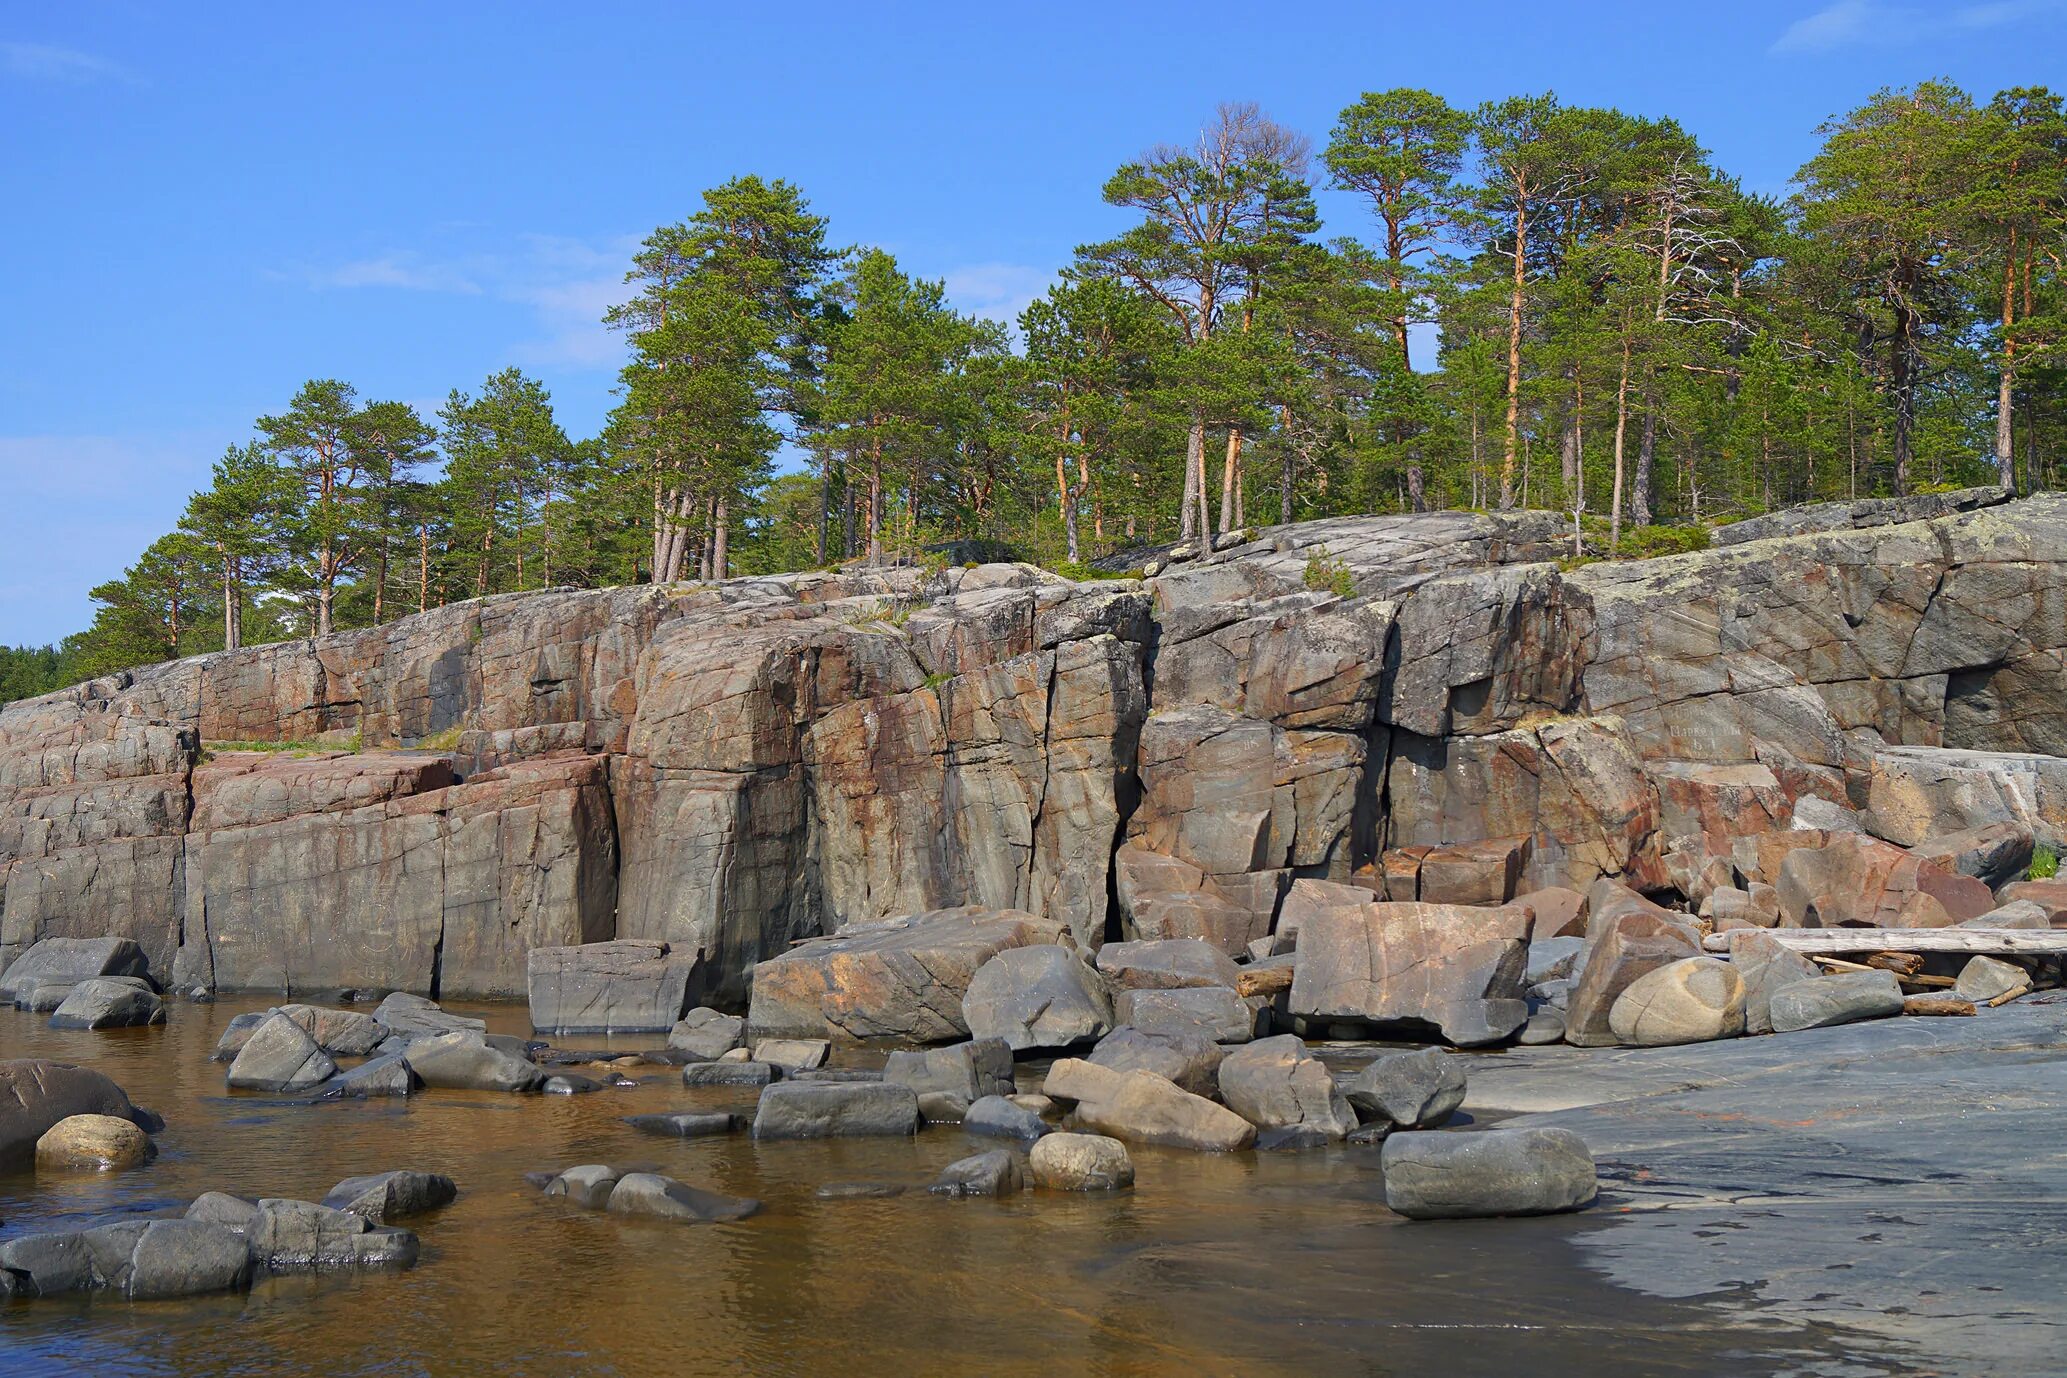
280, 1056
1430, 1175
1000, 1118
995, 1173
834, 1109
1038, 997
1821, 1001
648, 1193
107, 1002
1417, 1090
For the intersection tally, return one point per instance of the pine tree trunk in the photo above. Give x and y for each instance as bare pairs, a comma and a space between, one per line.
230, 629
721, 541
423, 567
1646, 449
1069, 506
1193, 509
1621, 426
875, 505
2005, 446
1510, 454
1229, 479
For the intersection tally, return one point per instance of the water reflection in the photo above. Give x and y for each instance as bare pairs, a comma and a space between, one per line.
1251, 1264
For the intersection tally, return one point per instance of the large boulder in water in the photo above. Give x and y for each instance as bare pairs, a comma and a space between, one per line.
1038, 997
280, 1056
384, 1196
467, 1061
1433, 1175
44, 975
901, 978
1144, 1108
301, 1236
109, 1002
836, 1110
98, 1143
1452, 968
629, 985
36, 1094
1276, 1083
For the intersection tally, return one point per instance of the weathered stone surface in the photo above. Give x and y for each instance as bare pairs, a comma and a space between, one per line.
1766, 966
300, 1236
105, 1003
1688, 1001
997, 1117
1560, 913
1167, 964
1081, 1162
995, 1173
466, 1061
686, 1124
1416, 1090
412, 1016
1484, 873
1275, 1082
1436, 1176
627, 985
1633, 946
1994, 854
386, 1075
1144, 1108
587, 1185
1189, 1057
1924, 790
1856, 880
650, 1194
280, 1056
36, 1094
725, 1073
56, 965
1986, 979
98, 1143
1837, 999
832, 1110
1214, 1011
899, 978
972, 1070
706, 1033
384, 1196
1449, 967
793, 1054
2048, 895
1038, 997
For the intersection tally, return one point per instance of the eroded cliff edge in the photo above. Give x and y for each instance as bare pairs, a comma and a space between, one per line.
730, 767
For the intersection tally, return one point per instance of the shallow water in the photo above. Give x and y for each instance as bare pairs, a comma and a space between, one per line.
1247, 1263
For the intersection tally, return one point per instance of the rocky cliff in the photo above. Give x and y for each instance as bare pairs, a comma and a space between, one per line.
731, 767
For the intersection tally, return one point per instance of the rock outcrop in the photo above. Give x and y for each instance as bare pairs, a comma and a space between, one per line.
731, 769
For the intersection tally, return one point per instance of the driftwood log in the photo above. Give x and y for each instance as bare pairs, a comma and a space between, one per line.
1994, 942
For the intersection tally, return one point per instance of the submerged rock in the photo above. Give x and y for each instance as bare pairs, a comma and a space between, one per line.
98, 1143
650, 1194
109, 1003
995, 1173
686, 1124
998, 1117
829, 1110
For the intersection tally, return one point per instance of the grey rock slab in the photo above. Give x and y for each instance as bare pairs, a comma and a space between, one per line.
972, 1070
587, 1184
301, 1236
467, 1061
650, 1194
1214, 1011
395, 1195
280, 1056
996, 1173
413, 1016
1837, 999
707, 1033
98, 1003
997, 1117
1432, 1175
386, 1075
1188, 1057
730, 1073
1417, 1090
1276, 1082
1984, 979
1167, 964
828, 1110
793, 1054
1044, 997
686, 1124
65, 962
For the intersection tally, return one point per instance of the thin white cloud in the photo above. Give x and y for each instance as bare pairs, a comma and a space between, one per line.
48, 62
1872, 23
996, 291
567, 283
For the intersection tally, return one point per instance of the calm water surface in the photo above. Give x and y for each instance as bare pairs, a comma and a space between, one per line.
1234, 1264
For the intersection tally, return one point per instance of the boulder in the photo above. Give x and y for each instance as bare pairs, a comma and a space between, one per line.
1766, 966
47, 1265
686, 1124
1491, 1172
1560, 913
1553, 959
1546, 1025
2015, 914
628, 985
384, 1196
149, 1260
793, 1054
1843, 998
588, 1185
1144, 1108
221, 1208
1275, 1082
236, 1034
1217, 1012
1692, 1000
995, 1173
280, 1056
1166, 964
942, 1107
705, 1033
1038, 997
1188, 1057
2049, 895
1994, 854
1857, 880
1000, 1118
412, 1016
650, 1194
972, 1070
901, 978
98, 1143
301, 1236
387, 1075
1633, 946
1417, 1090
340, 1033
829, 1110
1081, 1162
730, 1073
1983, 980
1482, 873
467, 1061
55, 965
101, 1003
1454, 969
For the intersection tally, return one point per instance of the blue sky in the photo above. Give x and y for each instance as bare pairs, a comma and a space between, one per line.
206, 205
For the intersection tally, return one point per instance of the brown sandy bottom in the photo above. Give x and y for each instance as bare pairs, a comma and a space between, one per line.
1249, 1263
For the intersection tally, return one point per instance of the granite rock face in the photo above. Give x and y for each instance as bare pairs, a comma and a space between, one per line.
736, 768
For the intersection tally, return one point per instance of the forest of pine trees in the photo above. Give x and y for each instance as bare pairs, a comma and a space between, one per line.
1543, 305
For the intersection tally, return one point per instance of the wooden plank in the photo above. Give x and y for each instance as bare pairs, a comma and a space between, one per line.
1996, 942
